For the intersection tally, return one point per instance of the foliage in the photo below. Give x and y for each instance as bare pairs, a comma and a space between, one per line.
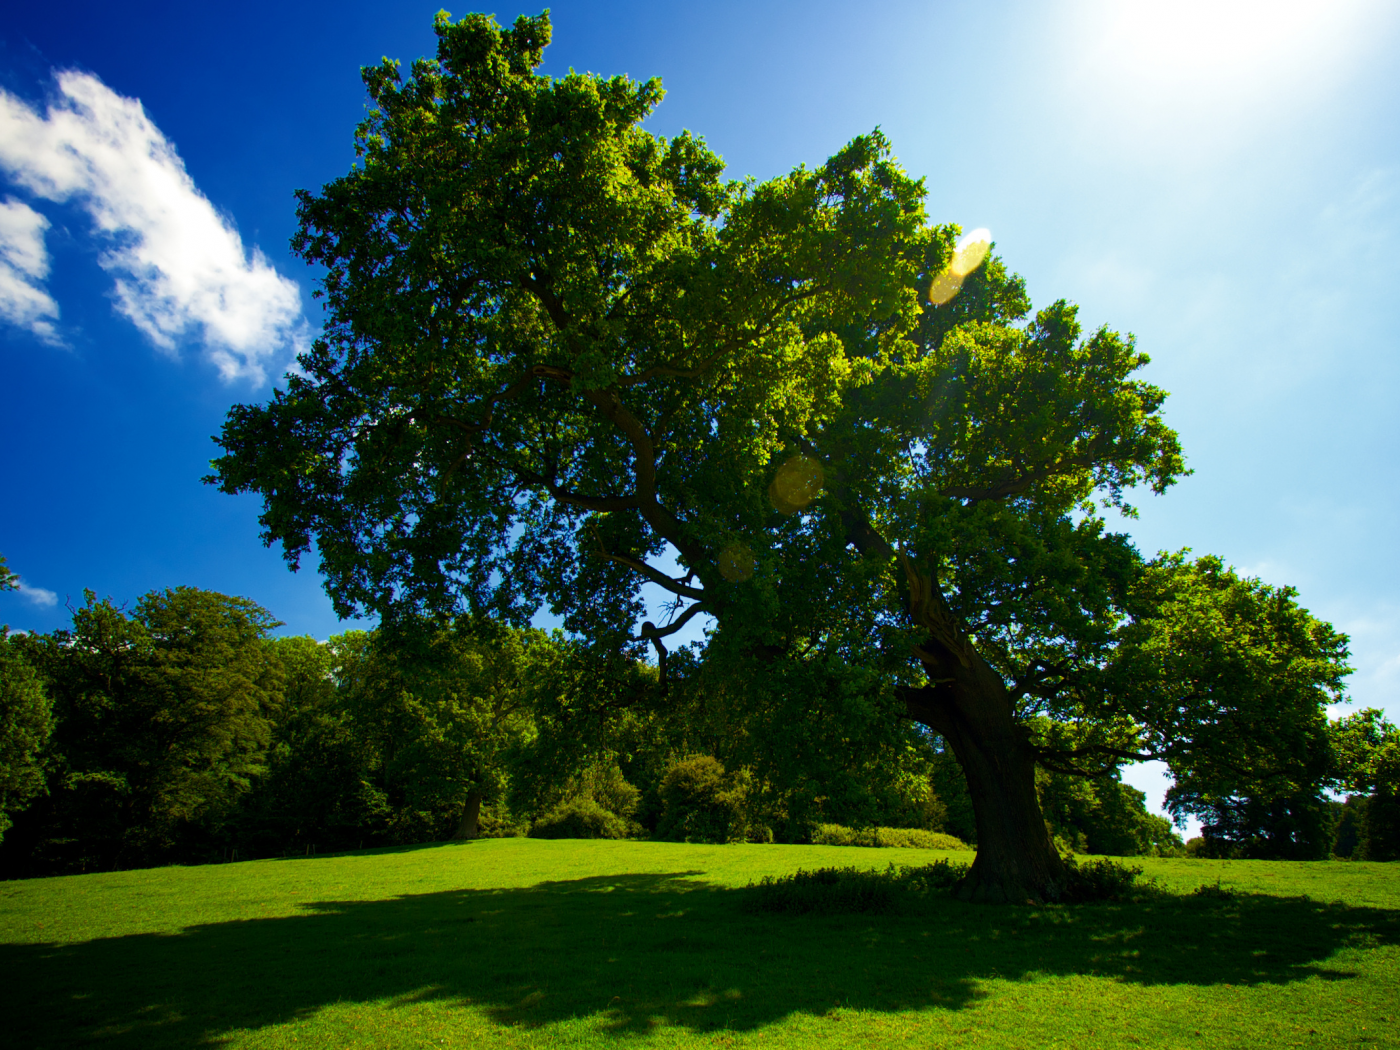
1104, 880
580, 818
605, 784
1297, 827
598, 802
25, 725
1227, 680
1367, 752
161, 722
829, 891
909, 838
1102, 815
835, 890
822, 740
442, 707
1349, 828
701, 802
9, 579
321, 789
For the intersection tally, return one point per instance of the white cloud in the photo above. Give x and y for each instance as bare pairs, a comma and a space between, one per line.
38, 595
179, 266
24, 263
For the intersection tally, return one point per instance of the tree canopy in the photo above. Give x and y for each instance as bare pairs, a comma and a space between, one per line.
563, 354
161, 717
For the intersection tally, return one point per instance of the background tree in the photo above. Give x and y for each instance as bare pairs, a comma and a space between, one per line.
161, 721
1367, 753
560, 349
25, 725
1227, 680
321, 789
25, 721
444, 707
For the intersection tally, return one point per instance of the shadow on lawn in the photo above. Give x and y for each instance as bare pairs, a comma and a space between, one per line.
638, 951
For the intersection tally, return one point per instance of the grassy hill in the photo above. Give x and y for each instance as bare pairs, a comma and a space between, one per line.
529, 943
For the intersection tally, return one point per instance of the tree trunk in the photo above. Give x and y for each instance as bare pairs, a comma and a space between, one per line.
470, 825
970, 708
969, 705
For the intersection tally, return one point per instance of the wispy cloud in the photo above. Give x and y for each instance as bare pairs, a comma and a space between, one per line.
24, 263
38, 595
180, 267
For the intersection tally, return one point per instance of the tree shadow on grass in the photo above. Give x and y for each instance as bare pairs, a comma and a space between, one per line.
637, 951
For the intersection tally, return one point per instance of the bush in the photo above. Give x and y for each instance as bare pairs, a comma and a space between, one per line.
701, 803
496, 822
830, 891
1105, 880
1213, 891
580, 818
605, 785
910, 838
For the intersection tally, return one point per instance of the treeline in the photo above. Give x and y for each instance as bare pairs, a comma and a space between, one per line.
181, 731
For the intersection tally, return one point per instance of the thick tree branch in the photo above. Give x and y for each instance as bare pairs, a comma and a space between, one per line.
929, 609
656, 576
650, 632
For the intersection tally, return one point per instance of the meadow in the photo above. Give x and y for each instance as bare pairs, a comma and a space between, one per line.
528, 943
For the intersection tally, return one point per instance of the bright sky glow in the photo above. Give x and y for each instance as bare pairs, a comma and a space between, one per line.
1206, 44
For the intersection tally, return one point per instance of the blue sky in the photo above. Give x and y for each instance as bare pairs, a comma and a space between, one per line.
1222, 179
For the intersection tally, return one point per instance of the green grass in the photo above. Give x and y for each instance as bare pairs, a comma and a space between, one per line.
531, 943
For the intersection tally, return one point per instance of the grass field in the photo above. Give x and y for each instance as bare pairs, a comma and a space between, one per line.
528, 943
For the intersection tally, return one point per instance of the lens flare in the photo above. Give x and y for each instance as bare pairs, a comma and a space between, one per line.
736, 563
796, 484
971, 250
946, 285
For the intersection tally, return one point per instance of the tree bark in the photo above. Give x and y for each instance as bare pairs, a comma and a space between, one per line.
470, 825
1016, 860
969, 705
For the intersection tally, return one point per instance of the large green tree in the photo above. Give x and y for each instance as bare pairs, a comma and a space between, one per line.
321, 789
563, 354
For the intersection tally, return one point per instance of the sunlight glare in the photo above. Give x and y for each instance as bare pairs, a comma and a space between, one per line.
972, 249
736, 563
797, 483
970, 252
946, 285
1203, 46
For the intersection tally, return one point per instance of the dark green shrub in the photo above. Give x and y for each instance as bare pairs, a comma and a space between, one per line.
829, 891
1213, 891
605, 784
908, 838
579, 818
701, 802
1105, 880
497, 822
